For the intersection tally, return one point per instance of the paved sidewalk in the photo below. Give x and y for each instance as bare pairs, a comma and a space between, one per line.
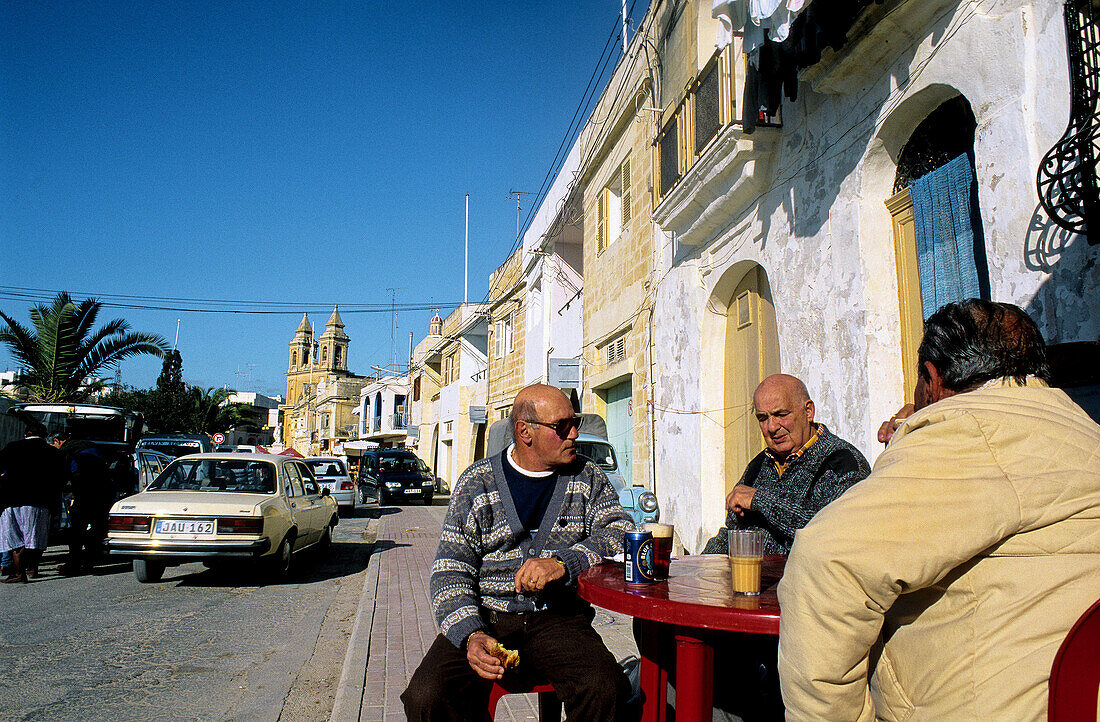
395, 626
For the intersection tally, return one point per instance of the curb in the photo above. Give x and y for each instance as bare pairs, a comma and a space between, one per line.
349, 690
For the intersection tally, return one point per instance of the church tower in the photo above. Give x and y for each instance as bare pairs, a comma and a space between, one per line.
334, 344
300, 346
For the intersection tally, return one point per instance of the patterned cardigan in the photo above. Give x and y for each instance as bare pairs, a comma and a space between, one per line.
783, 505
483, 543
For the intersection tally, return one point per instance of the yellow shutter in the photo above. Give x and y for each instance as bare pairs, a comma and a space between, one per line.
626, 192
601, 222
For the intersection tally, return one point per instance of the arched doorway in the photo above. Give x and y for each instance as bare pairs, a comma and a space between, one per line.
939, 244
751, 353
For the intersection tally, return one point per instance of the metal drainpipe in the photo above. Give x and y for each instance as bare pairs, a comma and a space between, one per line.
651, 410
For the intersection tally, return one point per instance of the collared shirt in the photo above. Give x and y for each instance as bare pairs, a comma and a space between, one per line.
781, 466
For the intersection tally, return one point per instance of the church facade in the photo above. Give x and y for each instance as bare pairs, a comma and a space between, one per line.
321, 393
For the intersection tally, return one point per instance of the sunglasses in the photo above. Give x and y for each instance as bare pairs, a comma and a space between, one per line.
561, 428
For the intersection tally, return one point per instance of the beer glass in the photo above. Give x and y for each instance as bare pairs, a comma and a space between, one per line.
746, 554
662, 547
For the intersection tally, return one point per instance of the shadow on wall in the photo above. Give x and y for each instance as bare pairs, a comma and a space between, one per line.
1067, 307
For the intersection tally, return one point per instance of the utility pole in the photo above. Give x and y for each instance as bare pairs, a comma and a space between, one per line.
393, 328
625, 20
516, 195
466, 256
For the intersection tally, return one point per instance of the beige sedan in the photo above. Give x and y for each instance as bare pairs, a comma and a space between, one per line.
222, 507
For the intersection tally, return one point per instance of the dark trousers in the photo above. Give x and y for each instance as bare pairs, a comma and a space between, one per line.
560, 647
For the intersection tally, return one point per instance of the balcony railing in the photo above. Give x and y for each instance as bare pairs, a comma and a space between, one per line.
397, 421
708, 108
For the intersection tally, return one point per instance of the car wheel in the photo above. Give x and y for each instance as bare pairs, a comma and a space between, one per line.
280, 562
147, 570
325, 543
363, 495
383, 498
427, 500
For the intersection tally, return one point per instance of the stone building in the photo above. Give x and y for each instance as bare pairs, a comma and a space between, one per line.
508, 311
615, 175
448, 391
321, 394
792, 236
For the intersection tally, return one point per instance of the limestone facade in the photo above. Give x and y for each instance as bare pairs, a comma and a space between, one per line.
788, 230
615, 182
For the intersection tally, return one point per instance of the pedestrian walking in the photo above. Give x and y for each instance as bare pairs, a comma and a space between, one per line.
30, 485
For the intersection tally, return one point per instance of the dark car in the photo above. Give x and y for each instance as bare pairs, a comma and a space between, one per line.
110, 433
394, 474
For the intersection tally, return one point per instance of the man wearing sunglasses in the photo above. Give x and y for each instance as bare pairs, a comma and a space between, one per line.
521, 527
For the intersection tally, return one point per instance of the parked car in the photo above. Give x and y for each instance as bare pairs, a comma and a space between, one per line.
389, 474
216, 508
178, 444
149, 464
331, 474
639, 501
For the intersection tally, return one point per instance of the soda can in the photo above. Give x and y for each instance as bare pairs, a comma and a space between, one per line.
638, 561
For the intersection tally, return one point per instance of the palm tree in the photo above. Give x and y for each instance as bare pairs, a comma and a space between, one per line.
213, 412
63, 350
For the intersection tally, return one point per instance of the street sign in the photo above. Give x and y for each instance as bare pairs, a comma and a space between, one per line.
219, 438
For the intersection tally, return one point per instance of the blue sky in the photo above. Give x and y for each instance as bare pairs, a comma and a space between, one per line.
299, 155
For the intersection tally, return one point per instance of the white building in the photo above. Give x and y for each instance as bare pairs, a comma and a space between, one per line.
795, 248
384, 412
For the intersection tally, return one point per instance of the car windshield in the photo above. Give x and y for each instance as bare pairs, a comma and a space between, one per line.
599, 452
400, 465
326, 467
248, 477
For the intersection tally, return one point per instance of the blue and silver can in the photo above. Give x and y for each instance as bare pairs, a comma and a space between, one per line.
638, 562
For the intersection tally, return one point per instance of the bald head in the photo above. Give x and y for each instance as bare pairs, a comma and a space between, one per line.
536, 411
785, 412
791, 386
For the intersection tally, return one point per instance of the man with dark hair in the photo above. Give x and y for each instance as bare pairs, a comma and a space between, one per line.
942, 585
31, 476
803, 467
521, 527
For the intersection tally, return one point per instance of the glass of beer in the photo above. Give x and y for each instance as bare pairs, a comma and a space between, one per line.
746, 557
662, 547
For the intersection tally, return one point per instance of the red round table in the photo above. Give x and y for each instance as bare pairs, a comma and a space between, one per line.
697, 597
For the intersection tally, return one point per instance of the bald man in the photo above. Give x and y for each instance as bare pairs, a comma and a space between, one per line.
803, 467
521, 527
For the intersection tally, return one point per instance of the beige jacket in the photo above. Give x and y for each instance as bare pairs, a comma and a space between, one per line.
973, 547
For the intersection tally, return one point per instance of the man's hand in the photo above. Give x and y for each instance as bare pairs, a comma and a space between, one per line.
740, 499
886, 431
482, 661
535, 574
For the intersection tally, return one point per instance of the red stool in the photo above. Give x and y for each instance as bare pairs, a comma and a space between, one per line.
549, 704
1075, 674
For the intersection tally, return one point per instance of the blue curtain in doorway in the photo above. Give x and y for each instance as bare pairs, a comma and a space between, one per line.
944, 234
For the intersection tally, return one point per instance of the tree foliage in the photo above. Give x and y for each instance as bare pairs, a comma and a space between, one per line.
62, 350
171, 372
175, 406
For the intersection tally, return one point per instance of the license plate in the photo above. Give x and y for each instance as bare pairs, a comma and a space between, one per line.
177, 526
412, 491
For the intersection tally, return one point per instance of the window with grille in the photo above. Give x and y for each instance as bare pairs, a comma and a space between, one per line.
669, 144
707, 108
